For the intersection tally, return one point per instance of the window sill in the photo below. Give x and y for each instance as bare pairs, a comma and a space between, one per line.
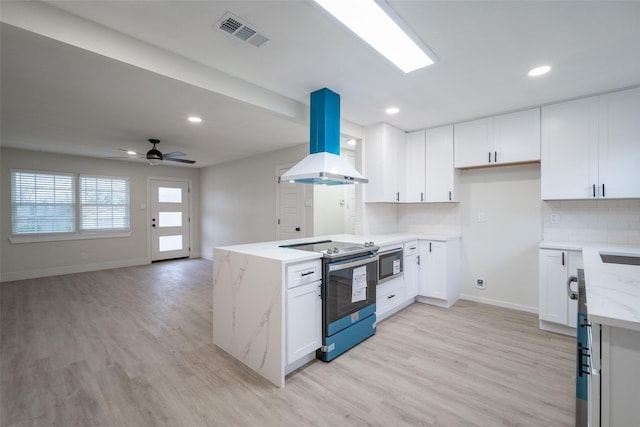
64, 237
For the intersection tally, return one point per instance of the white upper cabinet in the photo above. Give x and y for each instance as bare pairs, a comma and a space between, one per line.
415, 167
385, 151
569, 167
430, 176
500, 140
591, 147
619, 144
441, 177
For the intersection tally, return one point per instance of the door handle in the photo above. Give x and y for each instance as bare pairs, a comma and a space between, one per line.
153, 220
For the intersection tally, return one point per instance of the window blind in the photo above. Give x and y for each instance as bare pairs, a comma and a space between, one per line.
104, 203
42, 203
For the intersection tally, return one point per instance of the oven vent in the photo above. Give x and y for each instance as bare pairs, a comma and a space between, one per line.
241, 30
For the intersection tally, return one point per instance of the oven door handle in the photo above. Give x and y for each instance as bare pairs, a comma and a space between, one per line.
344, 266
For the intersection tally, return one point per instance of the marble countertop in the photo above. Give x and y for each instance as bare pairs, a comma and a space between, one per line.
613, 290
273, 251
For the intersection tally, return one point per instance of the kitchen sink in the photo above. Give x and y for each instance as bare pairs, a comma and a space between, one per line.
620, 259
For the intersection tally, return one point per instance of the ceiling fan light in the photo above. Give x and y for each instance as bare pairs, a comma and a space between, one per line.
153, 161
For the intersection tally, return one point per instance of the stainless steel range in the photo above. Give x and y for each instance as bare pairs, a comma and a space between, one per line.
350, 276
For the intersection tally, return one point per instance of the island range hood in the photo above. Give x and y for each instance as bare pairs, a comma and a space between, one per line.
324, 165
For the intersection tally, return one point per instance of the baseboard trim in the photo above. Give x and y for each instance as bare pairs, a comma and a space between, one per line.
70, 269
499, 303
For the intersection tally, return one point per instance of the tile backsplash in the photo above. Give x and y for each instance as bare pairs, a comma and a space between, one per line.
434, 218
592, 221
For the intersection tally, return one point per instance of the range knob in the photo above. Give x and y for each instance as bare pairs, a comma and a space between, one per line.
335, 250
329, 251
371, 244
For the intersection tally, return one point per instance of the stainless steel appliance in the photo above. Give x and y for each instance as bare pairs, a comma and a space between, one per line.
349, 280
583, 349
390, 264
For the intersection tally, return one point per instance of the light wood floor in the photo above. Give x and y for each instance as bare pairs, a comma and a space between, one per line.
133, 347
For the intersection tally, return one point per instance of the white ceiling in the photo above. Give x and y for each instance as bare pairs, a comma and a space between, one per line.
81, 83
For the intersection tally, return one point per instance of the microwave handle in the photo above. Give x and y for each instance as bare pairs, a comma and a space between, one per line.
338, 267
390, 251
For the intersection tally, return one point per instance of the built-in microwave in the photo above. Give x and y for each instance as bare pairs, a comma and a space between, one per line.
390, 264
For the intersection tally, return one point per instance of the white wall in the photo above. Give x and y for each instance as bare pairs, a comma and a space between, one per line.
502, 250
29, 260
239, 200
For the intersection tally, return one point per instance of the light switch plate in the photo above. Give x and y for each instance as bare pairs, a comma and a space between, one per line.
481, 217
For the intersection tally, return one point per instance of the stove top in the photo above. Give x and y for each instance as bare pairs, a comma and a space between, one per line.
331, 249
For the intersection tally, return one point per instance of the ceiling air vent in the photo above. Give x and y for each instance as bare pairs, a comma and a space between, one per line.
241, 30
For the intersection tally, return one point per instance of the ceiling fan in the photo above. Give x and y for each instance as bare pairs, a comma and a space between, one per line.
154, 156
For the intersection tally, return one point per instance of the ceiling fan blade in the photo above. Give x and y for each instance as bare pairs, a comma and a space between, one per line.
126, 158
173, 154
171, 159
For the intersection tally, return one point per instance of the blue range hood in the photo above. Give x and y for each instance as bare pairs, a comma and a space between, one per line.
324, 165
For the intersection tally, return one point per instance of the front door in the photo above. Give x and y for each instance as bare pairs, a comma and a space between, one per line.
170, 221
290, 209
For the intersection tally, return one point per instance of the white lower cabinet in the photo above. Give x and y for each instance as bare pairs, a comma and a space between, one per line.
304, 311
411, 273
556, 311
439, 272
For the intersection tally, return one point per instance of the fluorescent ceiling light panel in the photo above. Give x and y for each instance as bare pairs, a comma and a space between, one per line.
373, 25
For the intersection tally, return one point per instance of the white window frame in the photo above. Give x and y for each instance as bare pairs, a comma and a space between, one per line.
81, 204
77, 234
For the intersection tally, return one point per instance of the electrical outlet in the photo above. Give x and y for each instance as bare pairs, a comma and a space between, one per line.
554, 218
481, 217
480, 284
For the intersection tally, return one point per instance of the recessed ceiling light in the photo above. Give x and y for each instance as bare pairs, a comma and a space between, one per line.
392, 110
195, 119
373, 25
351, 142
538, 71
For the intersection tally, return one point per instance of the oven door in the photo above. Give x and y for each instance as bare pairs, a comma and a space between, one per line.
349, 286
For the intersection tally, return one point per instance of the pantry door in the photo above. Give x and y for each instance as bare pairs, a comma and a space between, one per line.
170, 221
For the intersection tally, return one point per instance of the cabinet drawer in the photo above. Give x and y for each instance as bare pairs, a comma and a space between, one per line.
304, 272
389, 295
411, 248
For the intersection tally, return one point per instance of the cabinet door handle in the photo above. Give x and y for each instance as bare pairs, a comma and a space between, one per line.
391, 296
398, 196
449, 195
429, 246
594, 190
489, 156
421, 196
495, 157
418, 259
562, 258
602, 190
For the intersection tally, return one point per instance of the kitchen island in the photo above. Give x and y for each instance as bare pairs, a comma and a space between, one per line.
612, 282
249, 298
